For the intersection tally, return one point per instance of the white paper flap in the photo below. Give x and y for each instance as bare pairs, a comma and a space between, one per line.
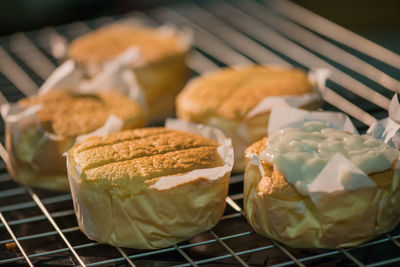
338, 175
387, 129
394, 109
115, 75
288, 117
225, 151
66, 76
12, 113
319, 77
112, 125
270, 102
255, 160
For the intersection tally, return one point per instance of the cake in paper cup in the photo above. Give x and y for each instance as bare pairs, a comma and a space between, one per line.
238, 100
317, 186
158, 63
150, 188
39, 129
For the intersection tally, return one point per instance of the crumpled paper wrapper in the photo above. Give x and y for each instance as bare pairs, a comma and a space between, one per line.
337, 212
171, 210
115, 75
156, 83
36, 155
254, 125
388, 129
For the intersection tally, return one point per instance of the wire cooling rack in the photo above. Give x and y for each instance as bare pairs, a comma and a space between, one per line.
39, 227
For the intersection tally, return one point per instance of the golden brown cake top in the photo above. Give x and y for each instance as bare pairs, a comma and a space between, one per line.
231, 93
69, 114
108, 42
135, 157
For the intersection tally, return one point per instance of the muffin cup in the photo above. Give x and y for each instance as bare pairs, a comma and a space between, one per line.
254, 125
172, 209
335, 213
35, 155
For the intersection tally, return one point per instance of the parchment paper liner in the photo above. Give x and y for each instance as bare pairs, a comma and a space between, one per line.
335, 214
172, 209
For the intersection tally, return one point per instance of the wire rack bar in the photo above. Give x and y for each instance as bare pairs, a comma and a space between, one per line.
236, 179
53, 42
14, 238
335, 252
385, 262
230, 216
31, 55
56, 214
222, 243
47, 253
376, 242
236, 196
200, 64
51, 220
234, 205
351, 257
3, 154
29, 237
314, 257
186, 256
214, 240
290, 255
343, 104
128, 260
78, 28
30, 204
334, 31
12, 192
16, 75
397, 243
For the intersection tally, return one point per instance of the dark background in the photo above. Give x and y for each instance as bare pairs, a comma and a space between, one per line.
376, 20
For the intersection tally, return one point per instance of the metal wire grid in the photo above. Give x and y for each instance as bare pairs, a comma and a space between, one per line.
40, 226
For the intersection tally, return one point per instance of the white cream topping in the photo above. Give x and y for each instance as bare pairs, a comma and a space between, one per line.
301, 153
